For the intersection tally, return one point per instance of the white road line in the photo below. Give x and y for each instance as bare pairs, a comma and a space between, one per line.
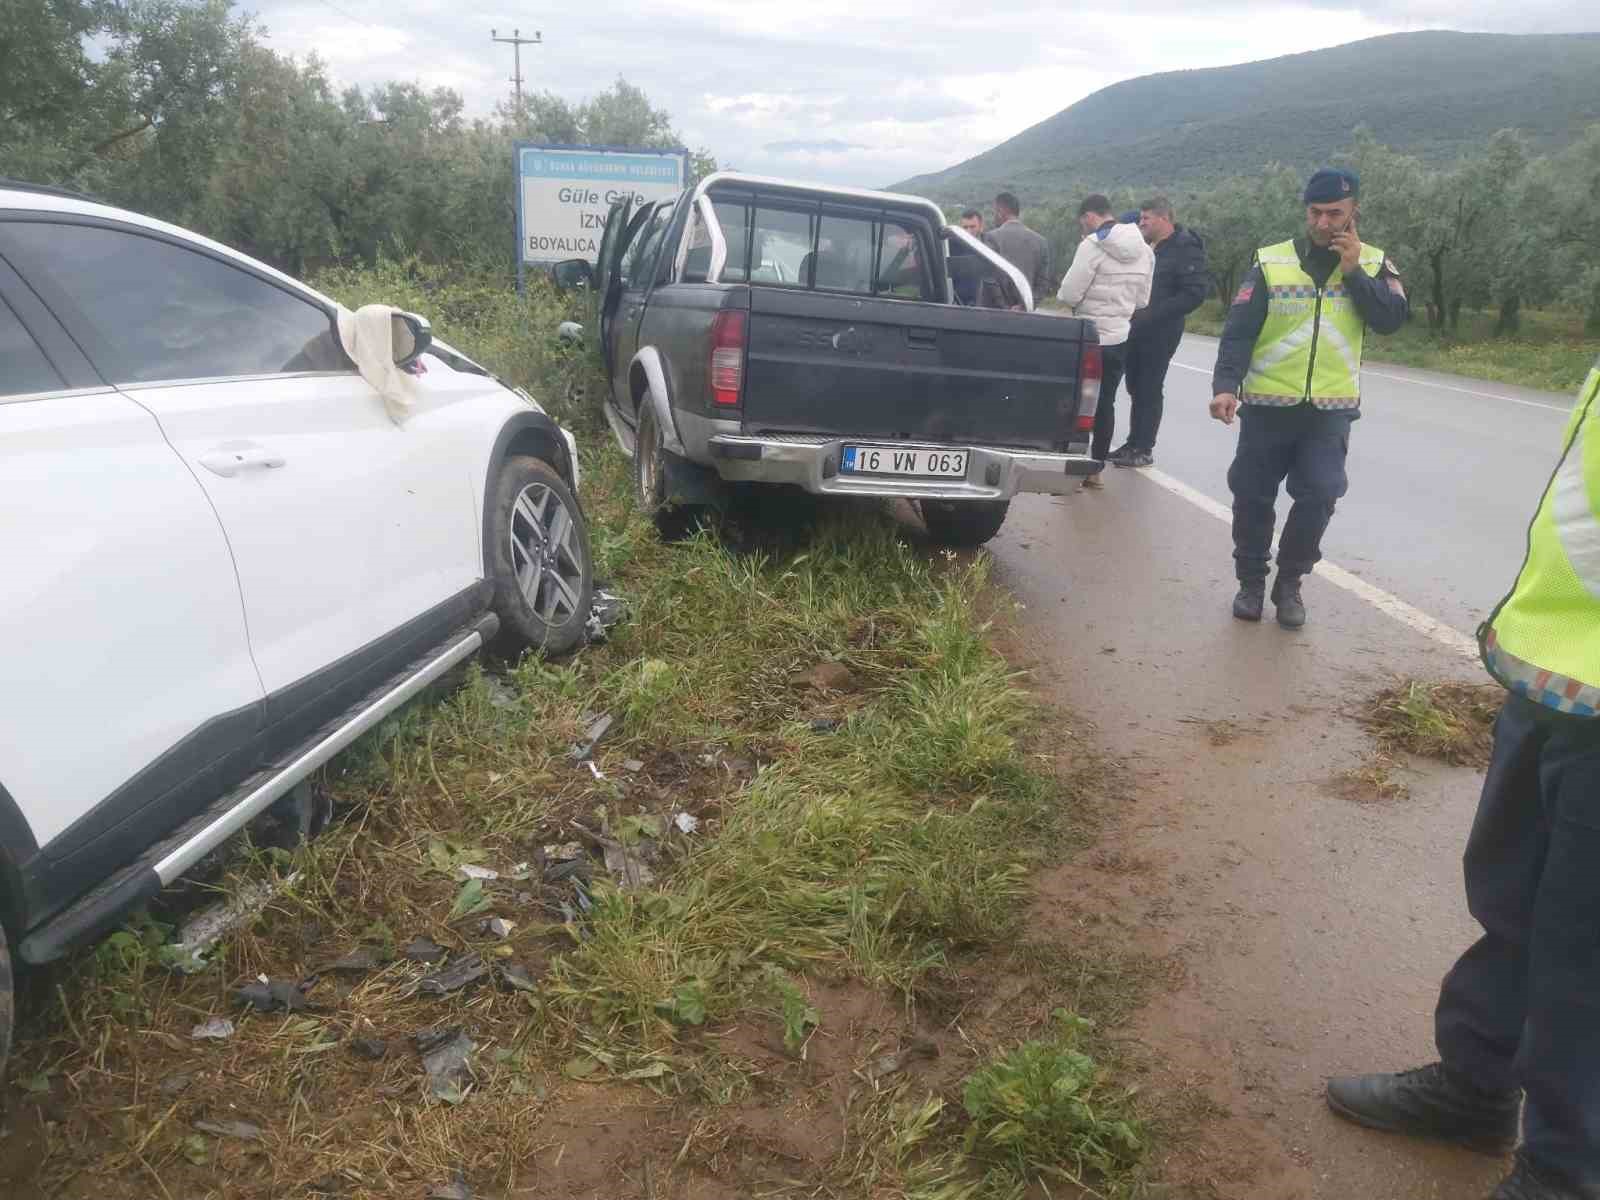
1443, 387
1393, 606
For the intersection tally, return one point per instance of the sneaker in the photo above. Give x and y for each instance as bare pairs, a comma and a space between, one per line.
1286, 595
1527, 1183
1431, 1102
1247, 604
1136, 458
1119, 457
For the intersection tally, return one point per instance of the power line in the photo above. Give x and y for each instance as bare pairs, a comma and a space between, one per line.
517, 42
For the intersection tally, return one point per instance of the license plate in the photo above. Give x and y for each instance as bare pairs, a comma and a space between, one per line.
889, 460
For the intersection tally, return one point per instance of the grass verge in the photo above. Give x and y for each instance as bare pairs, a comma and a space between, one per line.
1550, 352
736, 952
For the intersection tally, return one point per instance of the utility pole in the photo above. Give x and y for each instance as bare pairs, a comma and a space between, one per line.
517, 42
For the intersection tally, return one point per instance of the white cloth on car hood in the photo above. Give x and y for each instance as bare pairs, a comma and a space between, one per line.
368, 338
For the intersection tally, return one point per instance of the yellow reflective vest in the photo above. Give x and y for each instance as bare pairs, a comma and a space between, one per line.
1309, 347
1543, 641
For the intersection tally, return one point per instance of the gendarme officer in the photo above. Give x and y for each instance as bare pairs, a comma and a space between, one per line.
1290, 366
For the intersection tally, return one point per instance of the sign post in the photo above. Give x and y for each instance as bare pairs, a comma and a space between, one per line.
564, 193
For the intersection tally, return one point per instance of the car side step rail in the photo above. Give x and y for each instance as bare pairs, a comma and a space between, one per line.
166, 861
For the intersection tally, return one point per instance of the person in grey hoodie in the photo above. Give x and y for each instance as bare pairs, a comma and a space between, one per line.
1109, 278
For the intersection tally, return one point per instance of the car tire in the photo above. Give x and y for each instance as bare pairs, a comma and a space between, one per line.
963, 523
8, 1004
651, 487
540, 562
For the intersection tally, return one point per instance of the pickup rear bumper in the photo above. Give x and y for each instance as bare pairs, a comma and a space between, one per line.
993, 473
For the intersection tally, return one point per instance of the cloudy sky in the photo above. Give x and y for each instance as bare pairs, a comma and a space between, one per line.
842, 90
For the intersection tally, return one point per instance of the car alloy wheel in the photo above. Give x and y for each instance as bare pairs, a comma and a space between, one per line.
548, 565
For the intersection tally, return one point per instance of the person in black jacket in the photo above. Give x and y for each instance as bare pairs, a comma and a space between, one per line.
1178, 289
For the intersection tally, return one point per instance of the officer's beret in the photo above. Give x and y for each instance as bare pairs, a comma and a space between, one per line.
1332, 184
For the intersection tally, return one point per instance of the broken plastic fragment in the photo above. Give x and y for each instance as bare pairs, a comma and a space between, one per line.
469, 968
632, 765
471, 871
630, 870
591, 739
424, 950
686, 822
216, 1029
516, 977
497, 927
362, 958
446, 1065
234, 1129
594, 770
825, 724
274, 994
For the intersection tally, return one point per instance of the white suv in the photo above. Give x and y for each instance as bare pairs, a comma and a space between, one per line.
224, 556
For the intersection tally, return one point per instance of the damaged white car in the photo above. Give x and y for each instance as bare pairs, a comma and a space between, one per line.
239, 525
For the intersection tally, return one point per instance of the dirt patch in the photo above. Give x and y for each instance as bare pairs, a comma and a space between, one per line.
1449, 722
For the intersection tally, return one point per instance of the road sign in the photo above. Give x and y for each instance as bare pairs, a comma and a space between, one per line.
564, 193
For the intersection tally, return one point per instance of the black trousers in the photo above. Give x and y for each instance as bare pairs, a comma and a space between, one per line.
1522, 1007
1105, 413
1307, 447
1148, 357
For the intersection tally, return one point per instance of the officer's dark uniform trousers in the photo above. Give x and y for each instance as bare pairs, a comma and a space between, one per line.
1306, 446
1522, 1007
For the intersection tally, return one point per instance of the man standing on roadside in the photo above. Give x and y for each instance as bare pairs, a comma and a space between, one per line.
1178, 289
967, 283
1291, 356
1020, 246
1108, 280
1518, 1018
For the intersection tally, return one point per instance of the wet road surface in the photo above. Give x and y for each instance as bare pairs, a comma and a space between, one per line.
1313, 929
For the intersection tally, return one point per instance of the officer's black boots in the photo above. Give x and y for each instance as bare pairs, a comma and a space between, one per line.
1431, 1102
1252, 595
1286, 595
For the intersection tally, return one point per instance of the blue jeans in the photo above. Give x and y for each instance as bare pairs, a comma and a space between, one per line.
1306, 446
1522, 1007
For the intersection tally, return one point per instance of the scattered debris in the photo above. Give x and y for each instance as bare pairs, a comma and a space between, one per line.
497, 927
572, 868
687, 822
632, 765
825, 724
472, 871
358, 961
889, 1064
500, 695
210, 924
218, 1029
470, 900
599, 775
515, 976
424, 950
567, 331
446, 1065
629, 868
826, 677
176, 1084
233, 1129
426, 1040
268, 995
597, 730
468, 968
606, 610
457, 1188
371, 1049
564, 851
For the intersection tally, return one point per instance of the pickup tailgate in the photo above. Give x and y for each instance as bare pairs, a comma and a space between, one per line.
900, 370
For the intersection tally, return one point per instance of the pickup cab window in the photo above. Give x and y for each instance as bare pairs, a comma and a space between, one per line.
640, 257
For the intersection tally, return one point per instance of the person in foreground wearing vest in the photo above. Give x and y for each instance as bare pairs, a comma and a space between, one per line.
1290, 366
1518, 1016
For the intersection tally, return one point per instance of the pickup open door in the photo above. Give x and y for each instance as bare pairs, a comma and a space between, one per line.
620, 228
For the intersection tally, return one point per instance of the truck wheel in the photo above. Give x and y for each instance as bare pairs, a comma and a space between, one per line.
963, 522
540, 563
8, 1004
650, 485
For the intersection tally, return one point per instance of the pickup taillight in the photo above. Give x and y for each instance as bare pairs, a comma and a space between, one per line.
727, 358
1090, 374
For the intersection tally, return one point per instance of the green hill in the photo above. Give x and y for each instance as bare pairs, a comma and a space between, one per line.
1433, 94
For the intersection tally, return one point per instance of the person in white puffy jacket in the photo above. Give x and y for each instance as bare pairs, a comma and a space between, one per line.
1109, 278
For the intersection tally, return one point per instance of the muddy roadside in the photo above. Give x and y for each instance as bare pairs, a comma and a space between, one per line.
1312, 920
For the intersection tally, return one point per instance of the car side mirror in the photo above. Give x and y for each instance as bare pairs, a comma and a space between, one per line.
411, 336
572, 273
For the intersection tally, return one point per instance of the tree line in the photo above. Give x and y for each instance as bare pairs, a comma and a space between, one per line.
177, 109
1500, 228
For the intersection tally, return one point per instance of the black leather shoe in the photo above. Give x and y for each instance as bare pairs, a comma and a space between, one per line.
1429, 1102
1247, 604
1119, 456
1526, 1182
1286, 595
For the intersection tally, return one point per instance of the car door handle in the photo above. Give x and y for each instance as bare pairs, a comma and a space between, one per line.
235, 458
922, 339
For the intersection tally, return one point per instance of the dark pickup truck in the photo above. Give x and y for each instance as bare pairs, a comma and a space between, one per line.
760, 331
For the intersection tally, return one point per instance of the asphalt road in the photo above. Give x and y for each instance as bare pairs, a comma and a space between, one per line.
1312, 928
